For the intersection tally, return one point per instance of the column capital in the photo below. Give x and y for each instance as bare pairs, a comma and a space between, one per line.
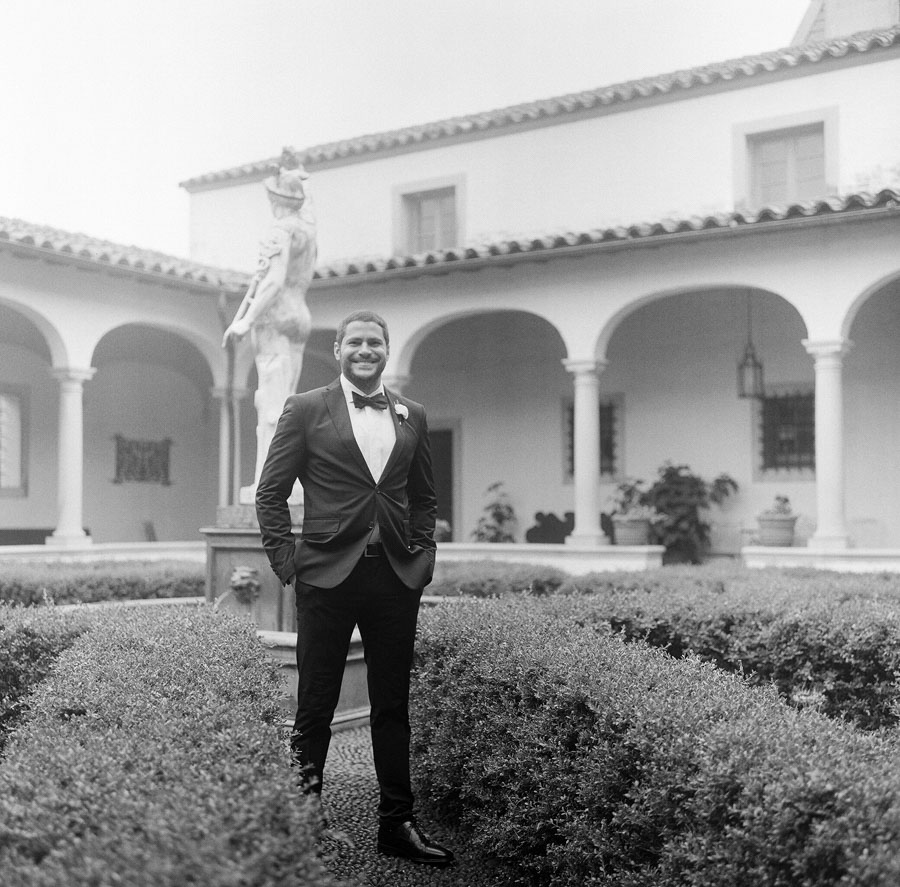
73, 374
827, 347
584, 367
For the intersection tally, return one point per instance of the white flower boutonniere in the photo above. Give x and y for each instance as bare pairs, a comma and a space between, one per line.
401, 411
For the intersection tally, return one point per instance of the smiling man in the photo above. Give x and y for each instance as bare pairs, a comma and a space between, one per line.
366, 551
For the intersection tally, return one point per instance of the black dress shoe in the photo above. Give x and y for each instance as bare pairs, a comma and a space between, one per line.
406, 839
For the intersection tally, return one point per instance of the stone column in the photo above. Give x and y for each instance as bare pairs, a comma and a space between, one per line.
221, 395
70, 457
831, 528
586, 433
237, 396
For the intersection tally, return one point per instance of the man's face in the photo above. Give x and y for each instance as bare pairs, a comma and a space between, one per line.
362, 354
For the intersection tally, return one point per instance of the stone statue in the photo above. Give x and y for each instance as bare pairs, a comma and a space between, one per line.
274, 309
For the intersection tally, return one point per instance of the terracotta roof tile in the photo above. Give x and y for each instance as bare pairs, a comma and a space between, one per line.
885, 200
632, 90
139, 261
103, 252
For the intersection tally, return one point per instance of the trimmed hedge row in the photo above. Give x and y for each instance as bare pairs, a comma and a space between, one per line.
153, 756
39, 583
30, 642
493, 579
574, 757
826, 641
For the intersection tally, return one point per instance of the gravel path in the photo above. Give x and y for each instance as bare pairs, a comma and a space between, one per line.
350, 799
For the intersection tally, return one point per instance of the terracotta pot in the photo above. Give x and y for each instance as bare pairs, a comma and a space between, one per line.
631, 531
776, 529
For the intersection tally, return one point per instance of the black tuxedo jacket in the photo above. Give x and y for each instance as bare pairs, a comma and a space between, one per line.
341, 501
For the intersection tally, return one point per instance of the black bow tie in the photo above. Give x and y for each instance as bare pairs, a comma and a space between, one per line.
379, 401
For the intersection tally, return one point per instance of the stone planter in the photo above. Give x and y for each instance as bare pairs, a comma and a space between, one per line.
776, 530
631, 531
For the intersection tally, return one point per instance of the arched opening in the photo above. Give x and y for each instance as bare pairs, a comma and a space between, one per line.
28, 422
496, 393
673, 369
151, 438
872, 420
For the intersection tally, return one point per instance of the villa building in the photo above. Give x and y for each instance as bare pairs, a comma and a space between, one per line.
571, 286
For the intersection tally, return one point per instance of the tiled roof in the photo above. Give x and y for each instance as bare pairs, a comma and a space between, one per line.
887, 200
43, 239
648, 87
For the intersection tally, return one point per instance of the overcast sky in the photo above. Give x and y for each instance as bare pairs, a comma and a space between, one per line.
106, 105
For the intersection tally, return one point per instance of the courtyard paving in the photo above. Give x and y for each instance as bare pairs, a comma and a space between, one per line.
350, 799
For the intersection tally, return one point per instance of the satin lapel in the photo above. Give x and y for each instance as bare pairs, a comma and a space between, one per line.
340, 416
402, 435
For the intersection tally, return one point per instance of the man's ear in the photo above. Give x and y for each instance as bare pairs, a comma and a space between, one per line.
337, 351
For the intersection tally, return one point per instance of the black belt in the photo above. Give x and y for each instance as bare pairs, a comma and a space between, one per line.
373, 549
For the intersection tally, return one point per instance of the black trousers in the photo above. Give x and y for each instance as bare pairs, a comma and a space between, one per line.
386, 611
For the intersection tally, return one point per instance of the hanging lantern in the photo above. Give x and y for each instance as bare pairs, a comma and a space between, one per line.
750, 369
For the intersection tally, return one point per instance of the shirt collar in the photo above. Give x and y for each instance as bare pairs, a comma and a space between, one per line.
349, 388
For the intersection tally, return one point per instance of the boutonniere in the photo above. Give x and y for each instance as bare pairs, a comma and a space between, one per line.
401, 411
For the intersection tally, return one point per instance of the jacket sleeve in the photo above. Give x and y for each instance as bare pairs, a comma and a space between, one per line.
420, 493
283, 465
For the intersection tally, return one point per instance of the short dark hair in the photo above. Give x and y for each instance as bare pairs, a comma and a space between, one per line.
364, 317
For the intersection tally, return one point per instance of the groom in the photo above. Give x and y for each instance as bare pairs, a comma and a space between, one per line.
365, 553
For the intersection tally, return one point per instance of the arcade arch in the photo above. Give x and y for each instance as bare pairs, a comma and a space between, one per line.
495, 390
872, 415
151, 436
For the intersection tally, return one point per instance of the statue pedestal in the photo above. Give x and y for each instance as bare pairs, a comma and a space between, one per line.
238, 576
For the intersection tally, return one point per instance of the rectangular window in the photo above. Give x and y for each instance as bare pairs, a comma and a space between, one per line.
13, 426
788, 431
787, 166
609, 412
431, 220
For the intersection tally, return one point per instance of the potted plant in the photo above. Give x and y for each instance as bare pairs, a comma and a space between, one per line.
632, 517
498, 522
776, 524
683, 498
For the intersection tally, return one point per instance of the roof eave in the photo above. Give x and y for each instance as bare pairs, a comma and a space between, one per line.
654, 241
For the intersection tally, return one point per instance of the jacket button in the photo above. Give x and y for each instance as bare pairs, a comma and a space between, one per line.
372, 526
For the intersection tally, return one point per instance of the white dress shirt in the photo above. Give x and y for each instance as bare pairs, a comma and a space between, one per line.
373, 429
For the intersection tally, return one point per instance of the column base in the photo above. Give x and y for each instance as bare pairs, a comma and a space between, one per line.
588, 540
828, 543
247, 495
68, 540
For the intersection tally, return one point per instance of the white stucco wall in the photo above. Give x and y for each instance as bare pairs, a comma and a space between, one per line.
145, 401
643, 162
163, 390
672, 357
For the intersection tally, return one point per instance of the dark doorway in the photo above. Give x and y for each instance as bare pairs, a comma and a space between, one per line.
442, 463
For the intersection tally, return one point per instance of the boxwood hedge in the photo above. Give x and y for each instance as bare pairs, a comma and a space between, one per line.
72, 583
153, 755
573, 757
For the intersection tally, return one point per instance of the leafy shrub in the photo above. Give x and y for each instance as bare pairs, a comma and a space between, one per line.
825, 640
29, 645
575, 758
493, 579
153, 756
70, 583
498, 521
683, 497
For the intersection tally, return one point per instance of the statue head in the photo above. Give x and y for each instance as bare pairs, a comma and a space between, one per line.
287, 185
